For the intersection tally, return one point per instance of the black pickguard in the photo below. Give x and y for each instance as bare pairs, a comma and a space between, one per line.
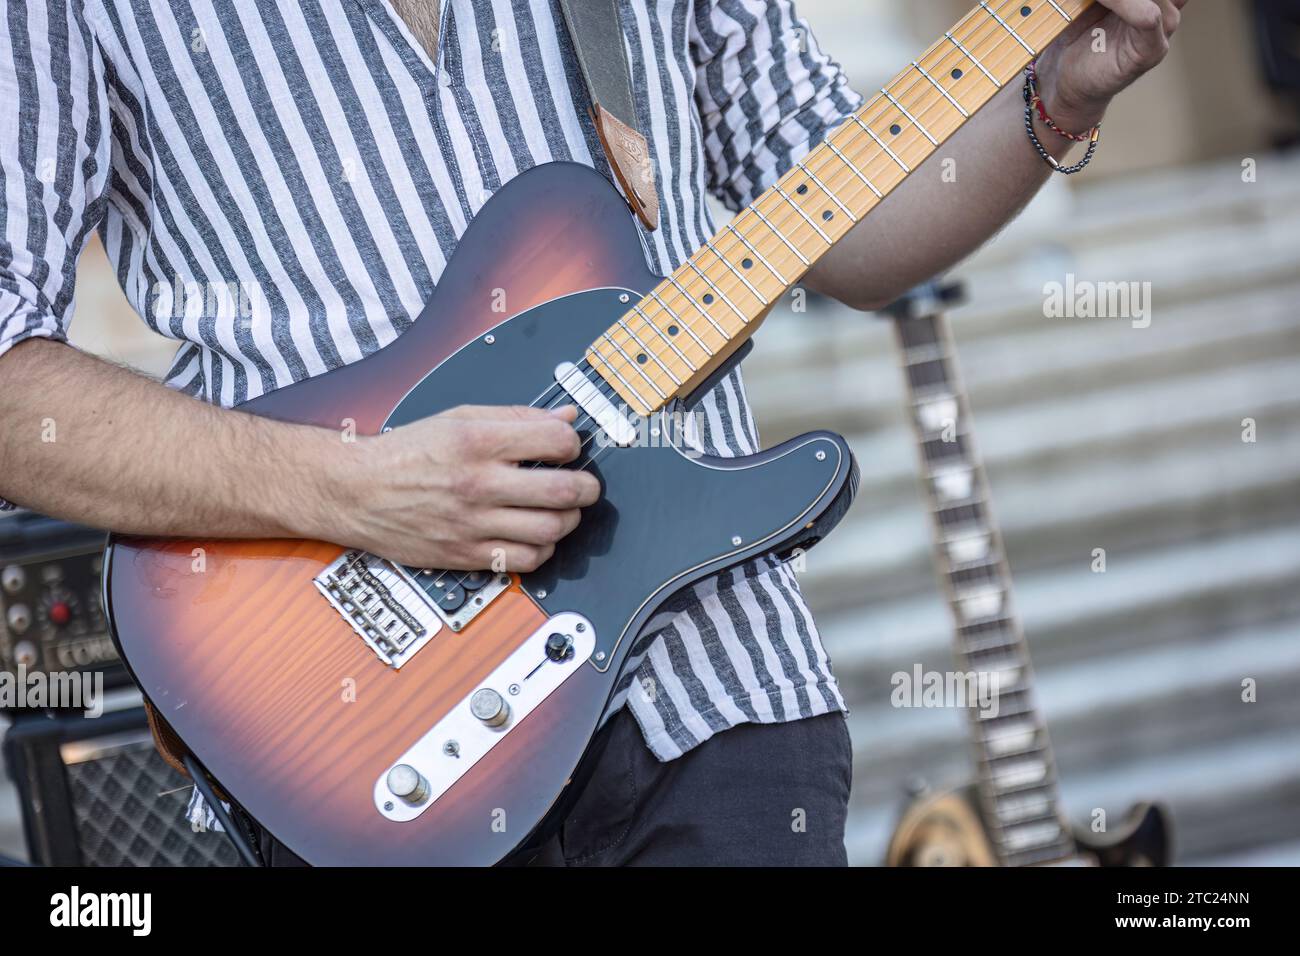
666, 519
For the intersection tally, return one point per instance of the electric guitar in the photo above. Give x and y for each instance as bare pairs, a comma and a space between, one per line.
369, 713
1011, 815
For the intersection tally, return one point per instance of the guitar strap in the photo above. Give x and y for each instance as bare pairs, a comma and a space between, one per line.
598, 38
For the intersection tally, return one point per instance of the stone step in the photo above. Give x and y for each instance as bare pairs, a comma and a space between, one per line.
1138, 588
1049, 361
1062, 509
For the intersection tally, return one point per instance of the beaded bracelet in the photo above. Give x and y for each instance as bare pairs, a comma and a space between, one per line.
1032, 101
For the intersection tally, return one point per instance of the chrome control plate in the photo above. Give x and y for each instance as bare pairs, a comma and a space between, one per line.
460, 739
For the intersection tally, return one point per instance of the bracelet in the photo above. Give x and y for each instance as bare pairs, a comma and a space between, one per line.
1031, 91
1032, 101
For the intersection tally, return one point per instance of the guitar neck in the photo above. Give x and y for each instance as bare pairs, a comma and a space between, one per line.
667, 344
1016, 770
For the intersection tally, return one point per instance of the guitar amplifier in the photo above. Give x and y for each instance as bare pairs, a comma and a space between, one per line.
95, 792
51, 616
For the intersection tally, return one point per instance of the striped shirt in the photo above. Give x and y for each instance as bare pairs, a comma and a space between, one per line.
315, 151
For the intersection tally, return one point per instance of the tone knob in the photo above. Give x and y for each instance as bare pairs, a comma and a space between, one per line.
19, 618
12, 578
405, 783
490, 707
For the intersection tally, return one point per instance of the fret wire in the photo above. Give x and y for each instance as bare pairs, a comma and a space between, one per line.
825, 189
876, 139
636, 366
744, 319
687, 326
939, 87
912, 119
962, 48
881, 143
727, 262
686, 294
646, 350
777, 232
1068, 18
605, 362
970, 56
843, 159
943, 59
671, 344
757, 255
807, 218
1007, 27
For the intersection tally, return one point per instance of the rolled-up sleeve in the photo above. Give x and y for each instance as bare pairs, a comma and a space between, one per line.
54, 161
766, 93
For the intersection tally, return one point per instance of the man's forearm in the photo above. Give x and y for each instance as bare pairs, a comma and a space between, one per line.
932, 221
95, 443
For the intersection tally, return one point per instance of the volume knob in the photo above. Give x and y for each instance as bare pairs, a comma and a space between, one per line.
405, 783
490, 707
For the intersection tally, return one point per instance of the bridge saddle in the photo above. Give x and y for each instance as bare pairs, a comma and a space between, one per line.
395, 612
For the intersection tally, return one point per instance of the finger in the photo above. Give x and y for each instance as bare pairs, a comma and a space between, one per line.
559, 489
1143, 15
516, 413
1170, 11
550, 440
527, 525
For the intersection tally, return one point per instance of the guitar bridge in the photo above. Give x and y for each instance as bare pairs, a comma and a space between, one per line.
395, 612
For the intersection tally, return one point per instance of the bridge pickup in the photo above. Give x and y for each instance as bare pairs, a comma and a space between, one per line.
591, 400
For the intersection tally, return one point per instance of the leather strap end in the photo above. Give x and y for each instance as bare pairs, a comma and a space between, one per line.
629, 156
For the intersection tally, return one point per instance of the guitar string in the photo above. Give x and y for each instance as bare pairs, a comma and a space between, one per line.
1008, 40
742, 223
851, 143
985, 29
993, 28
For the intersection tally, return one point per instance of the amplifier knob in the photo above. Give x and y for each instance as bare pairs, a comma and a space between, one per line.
25, 654
490, 707
19, 618
12, 578
405, 783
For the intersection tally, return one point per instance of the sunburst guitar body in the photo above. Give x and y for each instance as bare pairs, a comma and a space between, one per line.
366, 713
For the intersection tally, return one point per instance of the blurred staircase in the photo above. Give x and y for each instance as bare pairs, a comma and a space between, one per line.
1095, 434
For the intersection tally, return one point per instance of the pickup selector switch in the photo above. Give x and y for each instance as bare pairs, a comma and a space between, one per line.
559, 647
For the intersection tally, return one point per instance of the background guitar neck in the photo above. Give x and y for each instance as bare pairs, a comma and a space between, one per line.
1016, 770
667, 344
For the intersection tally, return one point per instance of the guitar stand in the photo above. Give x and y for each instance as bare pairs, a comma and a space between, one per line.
241, 833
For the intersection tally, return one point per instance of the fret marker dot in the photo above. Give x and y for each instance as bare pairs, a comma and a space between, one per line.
708, 298
642, 358
803, 188
895, 129
957, 74
828, 215
1025, 11
672, 330
747, 263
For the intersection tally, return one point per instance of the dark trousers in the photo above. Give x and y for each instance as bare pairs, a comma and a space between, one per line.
754, 795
